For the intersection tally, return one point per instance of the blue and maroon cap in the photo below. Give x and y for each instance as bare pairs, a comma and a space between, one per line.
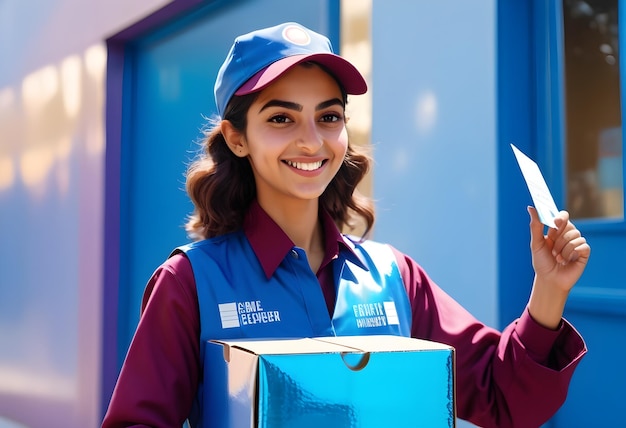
256, 59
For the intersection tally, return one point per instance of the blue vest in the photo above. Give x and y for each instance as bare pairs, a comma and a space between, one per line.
237, 300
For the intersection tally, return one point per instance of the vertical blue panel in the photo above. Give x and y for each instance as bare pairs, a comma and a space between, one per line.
434, 136
516, 125
597, 304
596, 391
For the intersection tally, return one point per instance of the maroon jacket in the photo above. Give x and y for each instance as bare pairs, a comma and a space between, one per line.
516, 378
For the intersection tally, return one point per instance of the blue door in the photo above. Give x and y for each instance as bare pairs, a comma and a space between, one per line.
560, 73
159, 99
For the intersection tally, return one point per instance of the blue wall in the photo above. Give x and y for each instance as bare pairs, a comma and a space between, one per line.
434, 136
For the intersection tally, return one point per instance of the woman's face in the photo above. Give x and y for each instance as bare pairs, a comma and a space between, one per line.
296, 136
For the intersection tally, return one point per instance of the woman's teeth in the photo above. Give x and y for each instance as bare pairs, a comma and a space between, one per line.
305, 166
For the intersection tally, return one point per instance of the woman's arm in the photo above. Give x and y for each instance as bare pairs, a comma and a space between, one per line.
559, 259
517, 377
159, 378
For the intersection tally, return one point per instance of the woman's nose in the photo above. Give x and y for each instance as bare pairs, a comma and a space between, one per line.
310, 138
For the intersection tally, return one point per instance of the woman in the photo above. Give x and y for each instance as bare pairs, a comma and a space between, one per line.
275, 187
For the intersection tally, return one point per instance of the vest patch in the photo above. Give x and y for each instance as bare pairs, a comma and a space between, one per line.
376, 314
237, 314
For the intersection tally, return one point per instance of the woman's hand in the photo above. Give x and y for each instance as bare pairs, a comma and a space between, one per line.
559, 259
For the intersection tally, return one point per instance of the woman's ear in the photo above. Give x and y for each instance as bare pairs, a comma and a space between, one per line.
234, 139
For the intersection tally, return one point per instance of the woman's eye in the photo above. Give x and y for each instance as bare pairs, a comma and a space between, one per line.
331, 117
280, 119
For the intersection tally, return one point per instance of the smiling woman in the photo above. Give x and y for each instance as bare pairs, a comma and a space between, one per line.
272, 191
295, 149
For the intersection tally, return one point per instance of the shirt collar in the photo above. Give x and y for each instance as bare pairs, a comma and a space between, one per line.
271, 244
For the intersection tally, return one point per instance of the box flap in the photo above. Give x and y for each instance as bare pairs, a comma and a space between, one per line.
385, 343
285, 346
334, 344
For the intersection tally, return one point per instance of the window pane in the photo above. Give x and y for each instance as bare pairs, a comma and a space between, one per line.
593, 111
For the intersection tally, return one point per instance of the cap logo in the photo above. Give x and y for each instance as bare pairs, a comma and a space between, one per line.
296, 35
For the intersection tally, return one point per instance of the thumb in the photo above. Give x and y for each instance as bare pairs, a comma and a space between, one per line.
537, 240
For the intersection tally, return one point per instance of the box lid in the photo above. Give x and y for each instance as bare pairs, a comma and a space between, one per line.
334, 344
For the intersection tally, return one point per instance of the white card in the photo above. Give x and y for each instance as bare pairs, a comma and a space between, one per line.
539, 192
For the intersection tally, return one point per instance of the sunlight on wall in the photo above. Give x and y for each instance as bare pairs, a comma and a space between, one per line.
40, 122
35, 164
38, 88
7, 172
23, 381
51, 172
95, 65
356, 47
426, 112
71, 80
95, 62
7, 166
36, 153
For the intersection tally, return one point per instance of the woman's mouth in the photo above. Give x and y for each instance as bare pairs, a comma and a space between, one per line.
305, 166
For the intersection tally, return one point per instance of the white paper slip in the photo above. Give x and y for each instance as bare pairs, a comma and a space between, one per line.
539, 192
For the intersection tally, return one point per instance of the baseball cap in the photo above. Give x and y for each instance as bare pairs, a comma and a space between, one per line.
257, 58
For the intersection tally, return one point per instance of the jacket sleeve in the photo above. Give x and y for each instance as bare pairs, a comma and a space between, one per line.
515, 378
160, 374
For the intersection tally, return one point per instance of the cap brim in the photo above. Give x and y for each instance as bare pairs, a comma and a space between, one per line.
347, 74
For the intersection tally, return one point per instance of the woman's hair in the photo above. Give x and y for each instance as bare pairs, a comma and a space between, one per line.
221, 185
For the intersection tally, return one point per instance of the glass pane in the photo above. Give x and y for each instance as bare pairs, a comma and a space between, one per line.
593, 110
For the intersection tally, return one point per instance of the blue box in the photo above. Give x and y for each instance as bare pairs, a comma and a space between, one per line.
343, 382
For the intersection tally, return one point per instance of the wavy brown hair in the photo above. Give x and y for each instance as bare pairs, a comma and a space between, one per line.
222, 186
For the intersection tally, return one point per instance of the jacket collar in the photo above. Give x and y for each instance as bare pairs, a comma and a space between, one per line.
271, 245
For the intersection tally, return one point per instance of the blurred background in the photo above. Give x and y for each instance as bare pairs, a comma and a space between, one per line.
102, 105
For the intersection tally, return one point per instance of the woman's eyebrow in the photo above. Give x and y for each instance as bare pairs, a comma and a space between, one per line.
326, 104
297, 107
285, 104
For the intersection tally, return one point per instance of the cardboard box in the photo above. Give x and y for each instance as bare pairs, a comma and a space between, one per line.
343, 382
